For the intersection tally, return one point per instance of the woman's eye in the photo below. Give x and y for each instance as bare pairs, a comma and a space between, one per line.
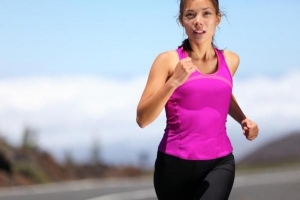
207, 13
189, 15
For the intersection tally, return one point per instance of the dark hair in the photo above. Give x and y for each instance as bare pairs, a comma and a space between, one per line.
185, 43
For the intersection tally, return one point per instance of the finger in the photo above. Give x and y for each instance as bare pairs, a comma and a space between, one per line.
245, 128
194, 67
191, 67
248, 124
187, 59
249, 137
252, 138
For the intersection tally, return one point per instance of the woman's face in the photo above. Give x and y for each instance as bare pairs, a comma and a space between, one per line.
200, 20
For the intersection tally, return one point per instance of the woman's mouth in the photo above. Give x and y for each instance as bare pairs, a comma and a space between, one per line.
199, 32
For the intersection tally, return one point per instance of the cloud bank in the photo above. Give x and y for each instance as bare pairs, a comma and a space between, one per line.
71, 112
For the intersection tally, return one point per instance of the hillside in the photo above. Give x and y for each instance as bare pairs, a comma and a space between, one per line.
281, 152
27, 165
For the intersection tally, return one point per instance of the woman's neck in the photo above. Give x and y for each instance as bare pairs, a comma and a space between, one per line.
202, 51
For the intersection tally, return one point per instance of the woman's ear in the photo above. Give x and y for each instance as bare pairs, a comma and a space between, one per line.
181, 22
219, 17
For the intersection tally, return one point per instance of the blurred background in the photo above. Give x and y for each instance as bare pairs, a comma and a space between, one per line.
72, 73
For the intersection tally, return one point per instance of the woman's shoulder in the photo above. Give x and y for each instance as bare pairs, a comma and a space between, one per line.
230, 55
232, 60
167, 58
168, 55
165, 62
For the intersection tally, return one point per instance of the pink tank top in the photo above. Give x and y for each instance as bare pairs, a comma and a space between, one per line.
196, 115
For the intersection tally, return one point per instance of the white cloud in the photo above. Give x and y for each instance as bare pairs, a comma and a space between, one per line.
70, 112
273, 101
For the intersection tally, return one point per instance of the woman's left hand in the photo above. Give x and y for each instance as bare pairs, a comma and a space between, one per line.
250, 129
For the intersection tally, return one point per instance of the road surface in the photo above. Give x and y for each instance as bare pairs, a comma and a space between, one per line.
262, 186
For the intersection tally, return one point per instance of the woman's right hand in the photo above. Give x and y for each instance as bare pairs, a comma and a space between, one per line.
157, 90
182, 71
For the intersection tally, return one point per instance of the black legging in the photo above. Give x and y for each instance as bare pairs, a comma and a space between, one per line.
178, 179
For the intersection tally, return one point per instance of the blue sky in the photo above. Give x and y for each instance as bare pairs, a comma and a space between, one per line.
120, 39
76, 69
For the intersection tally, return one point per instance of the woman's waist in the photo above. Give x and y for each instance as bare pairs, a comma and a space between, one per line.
196, 146
196, 123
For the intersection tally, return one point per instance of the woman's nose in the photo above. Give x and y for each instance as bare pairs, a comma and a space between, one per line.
198, 21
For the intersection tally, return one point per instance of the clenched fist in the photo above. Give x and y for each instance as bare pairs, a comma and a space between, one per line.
250, 129
183, 70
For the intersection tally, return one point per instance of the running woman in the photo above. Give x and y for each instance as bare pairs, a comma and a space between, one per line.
193, 83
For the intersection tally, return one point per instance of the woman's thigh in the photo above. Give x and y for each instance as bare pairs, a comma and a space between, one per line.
218, 183
173, 178
179, 179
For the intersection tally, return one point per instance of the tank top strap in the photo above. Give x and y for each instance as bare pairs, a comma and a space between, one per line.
181, 53
221, 56
223, 67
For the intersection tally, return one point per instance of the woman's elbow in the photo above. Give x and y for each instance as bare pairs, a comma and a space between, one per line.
141, 122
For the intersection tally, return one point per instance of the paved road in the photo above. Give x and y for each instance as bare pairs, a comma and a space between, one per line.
264, 186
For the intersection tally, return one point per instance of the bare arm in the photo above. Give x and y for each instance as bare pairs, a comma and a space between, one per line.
162, 82
250, 128
156, 93
235, 111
